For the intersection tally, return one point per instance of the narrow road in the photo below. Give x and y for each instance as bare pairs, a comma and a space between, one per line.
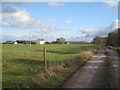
113, 68
96, 73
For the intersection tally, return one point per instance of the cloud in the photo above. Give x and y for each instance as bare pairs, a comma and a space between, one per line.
55, 4
42, 17
20, 19
106, 30
14, 17
51, 36
81, 37
89, 30
13, 37
19, 1
52, 20
115, 24
15, 3
68, 21
56, 0
47, 36
89, 34
9, 9
112, 3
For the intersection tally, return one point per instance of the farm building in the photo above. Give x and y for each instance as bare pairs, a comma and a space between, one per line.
40, 41
15, 43
26, 42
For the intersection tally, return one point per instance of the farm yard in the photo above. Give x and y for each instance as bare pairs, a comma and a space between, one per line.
23, 66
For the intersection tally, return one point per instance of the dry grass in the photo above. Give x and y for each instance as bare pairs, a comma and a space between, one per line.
49, 73
114, 47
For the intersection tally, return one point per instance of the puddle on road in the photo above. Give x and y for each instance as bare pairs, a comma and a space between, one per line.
91, 67
76, 74
97, 61
100, 56
103, 55
116, 66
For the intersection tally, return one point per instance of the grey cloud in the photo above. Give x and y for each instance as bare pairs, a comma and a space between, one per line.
55, 4
13, 37
8, 9
89, 34
21, 19
111, 3
105, 31
79, 38
15, 3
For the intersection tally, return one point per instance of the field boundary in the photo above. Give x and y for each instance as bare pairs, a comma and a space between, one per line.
94, 52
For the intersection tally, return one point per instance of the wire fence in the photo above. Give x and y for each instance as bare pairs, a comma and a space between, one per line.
51, 63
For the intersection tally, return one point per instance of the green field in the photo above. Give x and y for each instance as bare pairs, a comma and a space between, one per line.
17, 60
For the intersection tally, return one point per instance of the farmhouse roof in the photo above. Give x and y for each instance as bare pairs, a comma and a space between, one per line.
40, 39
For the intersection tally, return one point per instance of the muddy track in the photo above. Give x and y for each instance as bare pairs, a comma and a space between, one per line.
113, 68
99, 72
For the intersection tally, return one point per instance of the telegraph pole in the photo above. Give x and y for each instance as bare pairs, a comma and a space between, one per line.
30, 36
36, 37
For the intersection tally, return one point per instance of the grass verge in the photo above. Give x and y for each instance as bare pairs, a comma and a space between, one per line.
56, 76
114, 48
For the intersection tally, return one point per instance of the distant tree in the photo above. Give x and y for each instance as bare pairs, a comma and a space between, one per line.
53, 42
47, 42
100, 40
95, 40
60, 41
113, 38
9, 41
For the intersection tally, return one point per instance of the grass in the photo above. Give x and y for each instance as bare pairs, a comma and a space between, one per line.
114, 48
17, 61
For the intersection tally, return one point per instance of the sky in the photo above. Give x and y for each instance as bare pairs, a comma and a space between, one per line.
74, 21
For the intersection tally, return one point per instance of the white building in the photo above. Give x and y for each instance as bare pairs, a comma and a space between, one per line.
15, 43
40, 41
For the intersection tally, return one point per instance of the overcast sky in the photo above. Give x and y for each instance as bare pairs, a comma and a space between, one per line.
78, 21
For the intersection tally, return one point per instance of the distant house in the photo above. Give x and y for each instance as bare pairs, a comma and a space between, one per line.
40, 41
67, 43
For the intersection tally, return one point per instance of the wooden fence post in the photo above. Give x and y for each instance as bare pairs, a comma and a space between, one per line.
45, 57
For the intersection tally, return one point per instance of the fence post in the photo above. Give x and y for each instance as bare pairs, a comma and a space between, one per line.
45, 57
83, 45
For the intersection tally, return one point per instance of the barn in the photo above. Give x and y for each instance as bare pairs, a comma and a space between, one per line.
40, 41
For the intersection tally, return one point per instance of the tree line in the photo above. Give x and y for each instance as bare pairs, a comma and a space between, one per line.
111, 40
